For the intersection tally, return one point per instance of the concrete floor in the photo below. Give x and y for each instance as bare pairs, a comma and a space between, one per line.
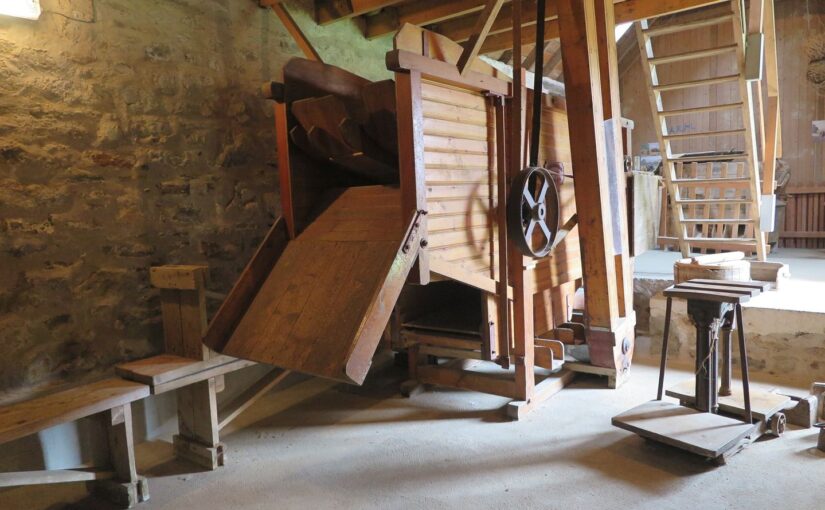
318, 445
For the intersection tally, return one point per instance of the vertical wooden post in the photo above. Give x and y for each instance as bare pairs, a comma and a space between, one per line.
611, 104
183, 305
773, 139
524, 336
198, 439
183, 302
577, 30
127, 489
411, 160
284, 168
610, 336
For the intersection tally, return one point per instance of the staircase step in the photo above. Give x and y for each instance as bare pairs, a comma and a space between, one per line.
724, 220
704, 134
694, 201
702, 109
693, 55
699, 158
709, 180
697, 83
682, 27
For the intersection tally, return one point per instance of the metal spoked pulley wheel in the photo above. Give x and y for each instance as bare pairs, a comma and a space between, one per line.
533, 211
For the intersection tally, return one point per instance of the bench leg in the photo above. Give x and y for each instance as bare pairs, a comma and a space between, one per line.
198, 440
127, 489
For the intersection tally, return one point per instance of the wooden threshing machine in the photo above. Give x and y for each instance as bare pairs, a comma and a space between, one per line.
393, 226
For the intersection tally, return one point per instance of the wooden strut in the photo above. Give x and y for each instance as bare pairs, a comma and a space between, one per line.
293, 28
476, 41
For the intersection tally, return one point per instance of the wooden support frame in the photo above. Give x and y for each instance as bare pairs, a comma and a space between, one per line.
411, 161
107, 401
772, 147
476, 40
609, 317
292, 27
197, 385
184, 328
509, 288
579, 46
126, 488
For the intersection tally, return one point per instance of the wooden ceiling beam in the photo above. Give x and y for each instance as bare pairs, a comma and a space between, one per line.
419, 12
626, 11
329, 11
504, 40
480, 31
460, 29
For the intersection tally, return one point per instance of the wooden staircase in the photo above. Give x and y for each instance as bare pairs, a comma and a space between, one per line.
713, 189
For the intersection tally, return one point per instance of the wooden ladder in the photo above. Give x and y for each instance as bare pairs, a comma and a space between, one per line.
714, 197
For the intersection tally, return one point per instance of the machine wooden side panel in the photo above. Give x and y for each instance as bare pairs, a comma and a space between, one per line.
324, 305
460, 169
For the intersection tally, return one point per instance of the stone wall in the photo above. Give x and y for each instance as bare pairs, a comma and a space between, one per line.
132, 134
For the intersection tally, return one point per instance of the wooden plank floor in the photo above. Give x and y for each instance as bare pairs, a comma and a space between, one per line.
323, 307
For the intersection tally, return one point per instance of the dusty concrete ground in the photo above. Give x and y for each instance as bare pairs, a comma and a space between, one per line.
318, 445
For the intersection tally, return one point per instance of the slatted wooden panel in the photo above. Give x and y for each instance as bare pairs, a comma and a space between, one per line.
804, 225
460, 169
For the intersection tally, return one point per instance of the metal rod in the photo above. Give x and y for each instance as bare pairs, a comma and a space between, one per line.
538, 82
664, 349
501, 216
746, 390
727, 350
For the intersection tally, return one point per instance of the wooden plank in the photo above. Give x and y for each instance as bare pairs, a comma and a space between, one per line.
31, 416
707, 434
251, 395
295, 31
586, 126
284, 168
476, 40
411, 162
400, 60
330, 11
626, 11
453, 271
20, 478
212, 372
718, 297
764, 404
198, 413
164, 368
180, 277
121, 442
246, 287
301, 320
467, 380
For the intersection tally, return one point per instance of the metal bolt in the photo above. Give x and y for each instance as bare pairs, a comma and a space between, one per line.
424, 243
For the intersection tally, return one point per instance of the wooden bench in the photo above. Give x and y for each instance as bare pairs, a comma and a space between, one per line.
110, 401
196, 385
191, 369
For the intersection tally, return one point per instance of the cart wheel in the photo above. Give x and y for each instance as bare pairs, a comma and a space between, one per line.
778, 422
